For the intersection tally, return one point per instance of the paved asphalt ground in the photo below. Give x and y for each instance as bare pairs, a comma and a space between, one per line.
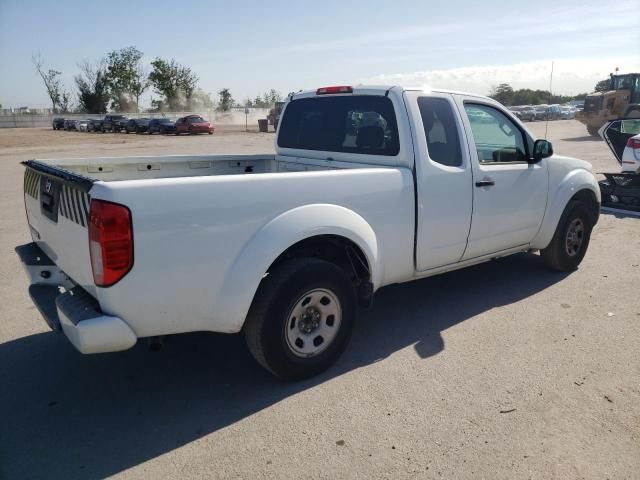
503, 370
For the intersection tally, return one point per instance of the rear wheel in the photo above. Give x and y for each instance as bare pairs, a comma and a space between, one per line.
301, 318
571, 239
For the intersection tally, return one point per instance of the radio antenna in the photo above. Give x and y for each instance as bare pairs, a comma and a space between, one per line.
546, 127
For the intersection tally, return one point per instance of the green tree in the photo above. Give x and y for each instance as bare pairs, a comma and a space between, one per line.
225, 102
503, 93
267, 100
126, 77
93, 87
174, 82
602, 85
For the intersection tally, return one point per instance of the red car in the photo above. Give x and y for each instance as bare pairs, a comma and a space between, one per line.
193, 124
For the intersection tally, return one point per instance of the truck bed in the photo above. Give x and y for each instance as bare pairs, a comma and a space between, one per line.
175, 166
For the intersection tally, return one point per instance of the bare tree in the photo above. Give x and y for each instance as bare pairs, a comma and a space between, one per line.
52, 82
139, 83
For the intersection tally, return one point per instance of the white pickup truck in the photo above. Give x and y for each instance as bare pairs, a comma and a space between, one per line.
369, 186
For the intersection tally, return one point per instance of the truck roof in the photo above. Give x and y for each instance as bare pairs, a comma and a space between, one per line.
382, 90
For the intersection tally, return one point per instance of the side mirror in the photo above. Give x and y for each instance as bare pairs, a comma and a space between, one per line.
541, 149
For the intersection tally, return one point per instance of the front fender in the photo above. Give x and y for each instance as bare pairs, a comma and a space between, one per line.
572, 183
243, 277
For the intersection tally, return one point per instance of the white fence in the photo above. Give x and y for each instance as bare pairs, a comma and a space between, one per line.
236, 116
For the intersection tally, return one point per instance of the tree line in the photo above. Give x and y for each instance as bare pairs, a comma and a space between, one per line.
117, 82
506, 95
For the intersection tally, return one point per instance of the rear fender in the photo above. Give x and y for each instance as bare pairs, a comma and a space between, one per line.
244, 276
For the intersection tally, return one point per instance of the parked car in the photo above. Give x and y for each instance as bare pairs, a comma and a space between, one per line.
193, 124
516, 110
554, 112
567, 113
83, 125
541, 112
120, 125
228, 243
137, 125
161, 125
70, 125
95, 125
113, 123
528, 113
57, 123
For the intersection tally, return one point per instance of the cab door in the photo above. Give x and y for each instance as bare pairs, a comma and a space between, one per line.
509, 192
443, 180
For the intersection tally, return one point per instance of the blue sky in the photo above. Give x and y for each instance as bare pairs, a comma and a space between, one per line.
252, 46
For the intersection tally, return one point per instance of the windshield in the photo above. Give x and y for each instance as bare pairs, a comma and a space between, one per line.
197, 120
625, 82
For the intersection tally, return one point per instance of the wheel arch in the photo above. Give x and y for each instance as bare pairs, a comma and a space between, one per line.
330, 232
577, 185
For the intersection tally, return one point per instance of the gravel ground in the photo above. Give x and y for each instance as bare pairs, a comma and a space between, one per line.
503, 370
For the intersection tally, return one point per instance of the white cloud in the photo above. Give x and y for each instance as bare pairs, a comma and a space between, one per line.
570, 76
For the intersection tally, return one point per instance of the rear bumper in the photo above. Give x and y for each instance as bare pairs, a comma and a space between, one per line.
74, 312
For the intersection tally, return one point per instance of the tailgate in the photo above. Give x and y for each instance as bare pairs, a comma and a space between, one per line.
57, 207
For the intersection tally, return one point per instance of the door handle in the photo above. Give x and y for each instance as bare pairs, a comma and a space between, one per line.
487, 182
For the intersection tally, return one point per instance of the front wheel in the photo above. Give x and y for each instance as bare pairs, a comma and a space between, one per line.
301, 318
571, 239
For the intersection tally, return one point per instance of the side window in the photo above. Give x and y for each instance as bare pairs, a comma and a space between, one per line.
497, 138
441, 131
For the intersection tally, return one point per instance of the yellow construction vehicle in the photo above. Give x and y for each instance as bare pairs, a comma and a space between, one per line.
620, 100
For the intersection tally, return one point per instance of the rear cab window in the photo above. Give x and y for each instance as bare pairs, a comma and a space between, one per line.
360, 124
441, 131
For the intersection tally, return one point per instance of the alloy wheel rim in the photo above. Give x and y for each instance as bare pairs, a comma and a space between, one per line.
313, 323
575, 237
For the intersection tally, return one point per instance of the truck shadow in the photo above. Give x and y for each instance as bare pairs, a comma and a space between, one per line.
586, 138
71, 416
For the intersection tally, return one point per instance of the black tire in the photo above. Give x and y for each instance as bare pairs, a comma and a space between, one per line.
562, 254
593, 131
267, 324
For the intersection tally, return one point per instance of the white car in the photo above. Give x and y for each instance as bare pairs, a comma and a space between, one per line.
631, 155
623, 138
283, 247
567, 113
81, 125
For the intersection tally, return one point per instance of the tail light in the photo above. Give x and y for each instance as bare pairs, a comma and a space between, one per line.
110, 242
331, 90
633, 143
